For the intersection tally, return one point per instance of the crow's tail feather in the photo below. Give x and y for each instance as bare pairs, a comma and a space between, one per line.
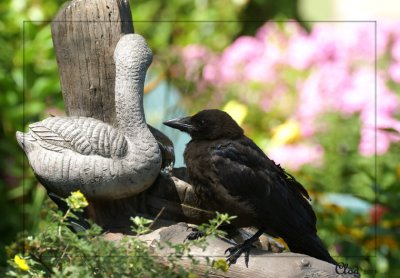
311, 246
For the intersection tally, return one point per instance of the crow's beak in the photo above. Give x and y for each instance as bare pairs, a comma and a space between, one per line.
183, 124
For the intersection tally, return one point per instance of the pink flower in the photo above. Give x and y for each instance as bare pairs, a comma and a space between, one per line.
343, 42
285, 44
379, 115
394, 71
261, 69
370, 137
300, 52
210, 73
396, 49
237, 56
322, 91
361, 41
268, 32
295, 156
273, 96
330, 44
386, 104
279, 33
334, 80
359, 92
194, 57
195, 52
385, 31
311, 102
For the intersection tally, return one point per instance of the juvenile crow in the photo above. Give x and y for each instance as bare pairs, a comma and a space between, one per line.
231, 174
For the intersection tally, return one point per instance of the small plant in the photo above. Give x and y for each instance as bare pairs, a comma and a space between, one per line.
183, 249
211, 228
58, 252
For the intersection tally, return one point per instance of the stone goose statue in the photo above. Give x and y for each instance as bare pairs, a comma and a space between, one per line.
104, 162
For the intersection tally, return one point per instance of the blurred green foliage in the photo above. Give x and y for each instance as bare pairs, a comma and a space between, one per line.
29, 85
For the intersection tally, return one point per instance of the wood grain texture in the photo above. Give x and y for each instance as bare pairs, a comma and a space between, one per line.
263, 262
85, 33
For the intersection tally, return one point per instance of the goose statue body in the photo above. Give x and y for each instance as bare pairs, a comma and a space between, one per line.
104, 162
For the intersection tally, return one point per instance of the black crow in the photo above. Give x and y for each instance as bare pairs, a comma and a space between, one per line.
231, 174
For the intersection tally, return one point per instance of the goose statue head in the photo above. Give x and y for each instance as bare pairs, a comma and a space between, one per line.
104, 162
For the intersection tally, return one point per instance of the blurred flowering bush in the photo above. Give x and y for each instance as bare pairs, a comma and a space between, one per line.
298, 77
322, 103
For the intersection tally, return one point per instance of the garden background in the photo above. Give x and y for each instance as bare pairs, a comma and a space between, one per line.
318, 95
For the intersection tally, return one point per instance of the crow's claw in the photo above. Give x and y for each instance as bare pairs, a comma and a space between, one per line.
195, 234
236, 251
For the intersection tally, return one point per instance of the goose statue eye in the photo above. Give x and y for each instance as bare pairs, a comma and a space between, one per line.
202, 123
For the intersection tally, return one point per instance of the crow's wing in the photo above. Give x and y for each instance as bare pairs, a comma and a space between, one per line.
249, 175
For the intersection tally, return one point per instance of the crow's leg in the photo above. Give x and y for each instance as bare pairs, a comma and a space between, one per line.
236, 251
195, 234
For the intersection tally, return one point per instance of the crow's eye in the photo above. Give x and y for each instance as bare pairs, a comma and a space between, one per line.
202, 123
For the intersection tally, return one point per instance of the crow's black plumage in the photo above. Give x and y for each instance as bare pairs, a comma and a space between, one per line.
231, 174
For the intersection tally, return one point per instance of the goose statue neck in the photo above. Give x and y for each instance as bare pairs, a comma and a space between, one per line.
132, 58
104, 162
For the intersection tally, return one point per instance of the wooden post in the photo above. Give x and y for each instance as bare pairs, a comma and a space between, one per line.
84, 35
